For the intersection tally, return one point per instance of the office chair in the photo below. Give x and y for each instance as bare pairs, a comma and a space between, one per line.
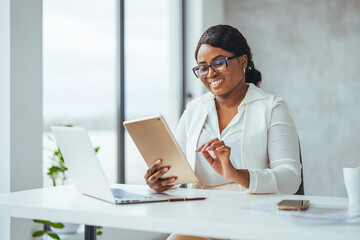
300, 191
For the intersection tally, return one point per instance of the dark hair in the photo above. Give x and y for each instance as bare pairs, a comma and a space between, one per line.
230, 39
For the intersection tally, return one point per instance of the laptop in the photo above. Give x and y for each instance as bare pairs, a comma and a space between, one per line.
86, 172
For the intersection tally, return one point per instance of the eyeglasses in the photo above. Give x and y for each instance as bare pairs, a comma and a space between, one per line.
218, 65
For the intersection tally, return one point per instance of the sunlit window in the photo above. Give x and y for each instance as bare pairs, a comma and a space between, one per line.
79, 39
148, 79
80, 73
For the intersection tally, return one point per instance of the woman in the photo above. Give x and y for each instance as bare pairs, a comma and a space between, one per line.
236, 136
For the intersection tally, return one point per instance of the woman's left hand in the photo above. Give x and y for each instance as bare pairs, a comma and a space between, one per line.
221, 163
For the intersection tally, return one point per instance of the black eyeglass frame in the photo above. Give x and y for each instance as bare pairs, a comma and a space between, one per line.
213, 68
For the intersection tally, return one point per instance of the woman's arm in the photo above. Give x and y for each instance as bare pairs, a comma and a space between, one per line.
284, 173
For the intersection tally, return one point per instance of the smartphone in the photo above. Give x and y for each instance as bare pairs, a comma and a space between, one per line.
297, 205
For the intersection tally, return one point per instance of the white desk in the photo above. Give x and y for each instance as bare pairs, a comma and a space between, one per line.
222, 215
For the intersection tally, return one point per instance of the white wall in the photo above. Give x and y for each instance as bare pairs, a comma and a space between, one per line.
4, 111
308, 53
20, 104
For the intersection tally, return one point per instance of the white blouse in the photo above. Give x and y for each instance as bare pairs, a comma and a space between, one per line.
283, 159
231, 136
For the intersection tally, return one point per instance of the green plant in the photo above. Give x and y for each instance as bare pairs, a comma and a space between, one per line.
46, 231
58, 168
99, 231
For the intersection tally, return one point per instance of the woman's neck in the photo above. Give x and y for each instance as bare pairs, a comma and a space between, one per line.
233, 99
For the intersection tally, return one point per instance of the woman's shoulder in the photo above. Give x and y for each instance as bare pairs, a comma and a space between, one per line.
256, 94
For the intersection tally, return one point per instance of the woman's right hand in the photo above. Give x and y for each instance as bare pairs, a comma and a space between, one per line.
153, 175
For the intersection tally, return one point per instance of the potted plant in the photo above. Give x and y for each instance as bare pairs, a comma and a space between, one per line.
58, 172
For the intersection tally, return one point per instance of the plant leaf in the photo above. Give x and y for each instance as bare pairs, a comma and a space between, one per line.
38, 233
41, 221
97, 149
54, 235
56, 225
54, 169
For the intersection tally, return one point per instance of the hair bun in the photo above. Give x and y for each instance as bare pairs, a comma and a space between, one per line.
252, 76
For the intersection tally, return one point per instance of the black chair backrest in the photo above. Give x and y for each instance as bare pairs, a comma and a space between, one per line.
300, 191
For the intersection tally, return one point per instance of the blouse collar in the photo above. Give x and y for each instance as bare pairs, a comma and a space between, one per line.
253, 93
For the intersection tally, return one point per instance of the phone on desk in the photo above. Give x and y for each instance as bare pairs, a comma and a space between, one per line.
296, 205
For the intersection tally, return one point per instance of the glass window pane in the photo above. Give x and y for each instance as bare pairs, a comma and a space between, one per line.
147, 74
80, 65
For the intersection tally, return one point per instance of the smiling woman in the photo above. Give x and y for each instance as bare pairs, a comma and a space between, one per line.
236, 136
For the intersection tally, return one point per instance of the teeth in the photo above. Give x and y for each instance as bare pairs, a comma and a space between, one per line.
216, 82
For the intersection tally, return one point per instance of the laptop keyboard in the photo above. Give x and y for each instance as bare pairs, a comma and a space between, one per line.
122, 194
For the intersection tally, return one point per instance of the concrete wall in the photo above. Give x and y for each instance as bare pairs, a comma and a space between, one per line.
308, 53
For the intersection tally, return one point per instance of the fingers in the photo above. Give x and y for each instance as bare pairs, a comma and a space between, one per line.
217, 146
206, 145
200, 148
213, 145
165, 182
153, 178
208, 157
152, 169
162, 185
153, 175
223, 148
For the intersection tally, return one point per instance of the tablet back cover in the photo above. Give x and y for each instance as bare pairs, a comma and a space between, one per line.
154, 140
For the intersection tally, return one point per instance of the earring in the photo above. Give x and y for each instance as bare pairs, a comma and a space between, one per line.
244, 70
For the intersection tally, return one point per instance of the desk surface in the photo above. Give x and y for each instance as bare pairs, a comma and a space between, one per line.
222, 215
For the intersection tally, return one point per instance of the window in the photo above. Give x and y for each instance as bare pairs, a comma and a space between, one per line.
151, 87
80, 64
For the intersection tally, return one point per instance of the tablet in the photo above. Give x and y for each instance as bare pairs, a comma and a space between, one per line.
154, 140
